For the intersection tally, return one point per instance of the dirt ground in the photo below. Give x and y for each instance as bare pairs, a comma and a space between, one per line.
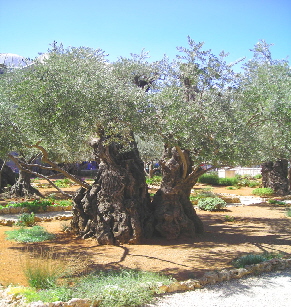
255, 229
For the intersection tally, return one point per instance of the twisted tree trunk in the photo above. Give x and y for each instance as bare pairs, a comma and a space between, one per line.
116, 209
174, 213
23, 187
275, 176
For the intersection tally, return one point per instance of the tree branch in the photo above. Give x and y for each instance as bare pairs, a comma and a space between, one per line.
57, 168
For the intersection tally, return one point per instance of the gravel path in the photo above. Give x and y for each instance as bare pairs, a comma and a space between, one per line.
266, 290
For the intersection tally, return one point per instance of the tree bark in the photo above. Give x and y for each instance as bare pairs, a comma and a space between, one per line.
7, 176
116, 209
275, 176
174, 213
23, 188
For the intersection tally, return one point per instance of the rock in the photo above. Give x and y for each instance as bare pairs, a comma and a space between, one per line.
209, 278
77, 302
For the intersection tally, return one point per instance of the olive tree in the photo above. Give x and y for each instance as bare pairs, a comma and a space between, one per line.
202, 126
75, 102
265, 87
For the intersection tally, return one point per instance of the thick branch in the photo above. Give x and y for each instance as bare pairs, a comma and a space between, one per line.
57, 168
184, 163
26, 169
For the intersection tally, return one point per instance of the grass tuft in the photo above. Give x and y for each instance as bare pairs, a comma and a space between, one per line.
33, 234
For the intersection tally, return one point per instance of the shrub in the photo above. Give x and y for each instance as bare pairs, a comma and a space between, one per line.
288, 212
228, 181
32, 206
253, 184
155, 180
211, 204
276, 202
33, 234
211, 178
26, 219
263, 191
249, 259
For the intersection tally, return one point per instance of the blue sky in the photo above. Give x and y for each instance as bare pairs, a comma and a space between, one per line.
123, 27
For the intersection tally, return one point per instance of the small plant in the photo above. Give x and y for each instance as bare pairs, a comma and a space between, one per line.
276, 202
249, 259
232, 188
26, 219
33, 234
43, 270
211, 204
229, 218
258, 176
63, 183
66, 227
155, 180
288, 212
263, 192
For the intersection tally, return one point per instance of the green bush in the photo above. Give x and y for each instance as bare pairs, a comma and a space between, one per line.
288, 212
33, 234
263, 191
39, 205
211, 178
155, 180
26, 219
249, 259
276, 202
228, 181
211, 204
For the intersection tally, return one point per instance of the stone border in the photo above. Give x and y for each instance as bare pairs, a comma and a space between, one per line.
211, 277
18, 210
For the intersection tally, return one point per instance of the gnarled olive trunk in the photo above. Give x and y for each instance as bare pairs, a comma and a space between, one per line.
116, 209
7, 177
275, 176
174, 213
23, 187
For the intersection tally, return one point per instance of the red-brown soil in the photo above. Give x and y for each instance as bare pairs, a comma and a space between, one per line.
255, 229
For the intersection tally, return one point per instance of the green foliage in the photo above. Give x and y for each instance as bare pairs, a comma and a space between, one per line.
33, 206
63, 183
263, 192
39, 205
54, 294
211, 178
26, 219
211, 204
277, 202
155, 180
288, 212
249, 259
228, 181
40, 277
114, 288
229, 218
34, 234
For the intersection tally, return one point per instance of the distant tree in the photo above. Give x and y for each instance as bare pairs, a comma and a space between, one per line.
266, 89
